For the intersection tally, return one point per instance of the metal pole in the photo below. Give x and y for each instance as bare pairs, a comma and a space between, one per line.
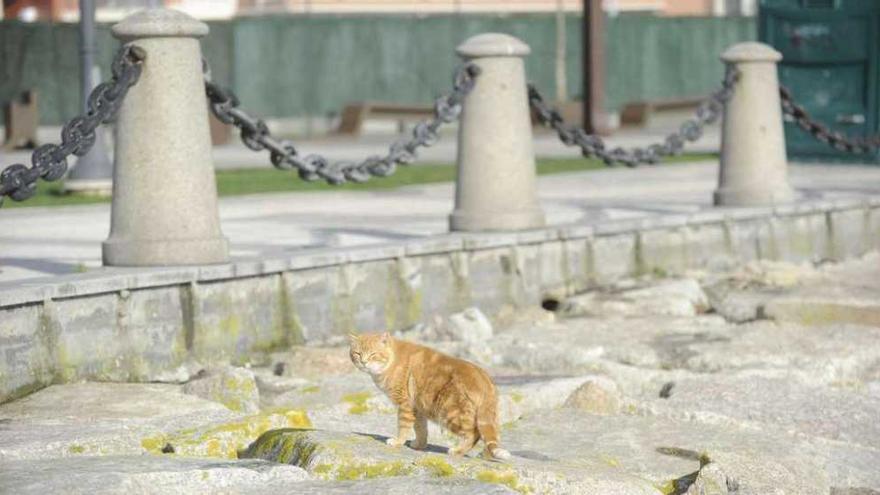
92, 173
594, 66
561, 81
87, 47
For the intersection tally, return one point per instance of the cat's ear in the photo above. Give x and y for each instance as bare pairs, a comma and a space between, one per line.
385, 338
353, 337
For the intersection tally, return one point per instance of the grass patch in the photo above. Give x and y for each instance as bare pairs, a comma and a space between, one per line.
270, 180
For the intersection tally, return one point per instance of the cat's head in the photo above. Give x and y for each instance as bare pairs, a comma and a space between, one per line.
371, 352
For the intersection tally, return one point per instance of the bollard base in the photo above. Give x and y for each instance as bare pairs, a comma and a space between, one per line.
461, 221
98, 187
751, 197
170, 252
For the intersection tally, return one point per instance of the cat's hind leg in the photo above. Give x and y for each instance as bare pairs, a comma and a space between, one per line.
462, 422
487, 424
421, 427
467, 442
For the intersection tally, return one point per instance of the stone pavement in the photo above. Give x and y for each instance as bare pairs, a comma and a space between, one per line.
41, 242
696, 385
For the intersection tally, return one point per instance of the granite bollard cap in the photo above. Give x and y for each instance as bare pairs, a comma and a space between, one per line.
492, 45
159, 23
751, 51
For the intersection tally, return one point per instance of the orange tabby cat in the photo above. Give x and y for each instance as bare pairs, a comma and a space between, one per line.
425, 384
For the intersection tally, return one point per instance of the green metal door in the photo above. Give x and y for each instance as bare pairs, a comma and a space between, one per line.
830, 64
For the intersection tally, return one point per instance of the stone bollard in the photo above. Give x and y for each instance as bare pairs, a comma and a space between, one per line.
495, 187
753, 163
164, 195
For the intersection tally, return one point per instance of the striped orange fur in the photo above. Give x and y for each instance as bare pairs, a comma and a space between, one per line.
429, 385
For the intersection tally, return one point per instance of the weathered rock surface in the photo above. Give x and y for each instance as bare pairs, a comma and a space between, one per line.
402, 485
682, 297
831, 294
594, 398
235, 388
830, 306
99, 419
311, 363
469, 326
126, 475
569, 451
664, 450
519, 396
829, 354
767, 382
122, 419
777, 401
346, 456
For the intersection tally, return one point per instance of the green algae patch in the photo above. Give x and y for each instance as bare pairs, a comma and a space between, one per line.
287, 446
312, 389
225, 440
358, 402
363, 471
76, 449
323, 470
436, 466
666, 488
517, 397
507, 478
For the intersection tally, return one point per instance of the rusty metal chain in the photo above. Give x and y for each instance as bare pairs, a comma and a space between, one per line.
821, 132
256, 136
49, 161
593, 146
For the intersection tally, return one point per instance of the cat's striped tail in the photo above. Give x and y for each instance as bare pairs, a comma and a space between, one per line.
487, 425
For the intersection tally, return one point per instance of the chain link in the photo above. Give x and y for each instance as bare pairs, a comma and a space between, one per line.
283, 154
593, 146
78, 135
821, 132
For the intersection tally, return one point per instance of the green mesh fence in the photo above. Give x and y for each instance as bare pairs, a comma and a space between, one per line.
283, 66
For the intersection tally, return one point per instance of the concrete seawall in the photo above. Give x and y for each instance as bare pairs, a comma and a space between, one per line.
145, 324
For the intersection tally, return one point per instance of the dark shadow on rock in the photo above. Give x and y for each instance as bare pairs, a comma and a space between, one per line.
436, 449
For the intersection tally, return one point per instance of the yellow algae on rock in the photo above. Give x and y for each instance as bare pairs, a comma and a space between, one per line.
507, 478
358, 402
362, 471
224, 440
436, 465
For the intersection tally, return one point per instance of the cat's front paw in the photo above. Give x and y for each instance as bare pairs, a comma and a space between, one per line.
455, 452
395, 442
